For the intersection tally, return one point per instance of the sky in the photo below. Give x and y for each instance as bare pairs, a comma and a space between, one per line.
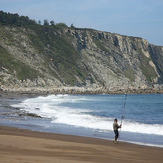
138, 18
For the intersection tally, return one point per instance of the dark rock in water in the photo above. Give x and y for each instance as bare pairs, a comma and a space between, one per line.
30, 115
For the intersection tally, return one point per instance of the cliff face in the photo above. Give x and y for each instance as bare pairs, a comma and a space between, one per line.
47, 57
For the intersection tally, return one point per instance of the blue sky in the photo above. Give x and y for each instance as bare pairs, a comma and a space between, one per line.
140, 18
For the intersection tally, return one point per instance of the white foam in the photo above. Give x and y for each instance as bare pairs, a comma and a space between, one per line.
49, 107
145, 144
135, 127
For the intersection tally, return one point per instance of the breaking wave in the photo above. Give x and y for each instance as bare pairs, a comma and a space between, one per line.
67, 109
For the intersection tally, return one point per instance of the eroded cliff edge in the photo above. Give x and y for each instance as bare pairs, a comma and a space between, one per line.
49, 58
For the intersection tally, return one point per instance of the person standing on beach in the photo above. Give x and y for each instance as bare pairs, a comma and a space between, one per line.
115, 128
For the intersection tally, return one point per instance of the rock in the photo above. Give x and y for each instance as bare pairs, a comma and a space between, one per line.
87, 58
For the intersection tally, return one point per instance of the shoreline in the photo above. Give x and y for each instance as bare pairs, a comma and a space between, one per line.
21, 145
36, 91
19, 97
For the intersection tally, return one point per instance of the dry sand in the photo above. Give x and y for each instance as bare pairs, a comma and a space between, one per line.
23, 146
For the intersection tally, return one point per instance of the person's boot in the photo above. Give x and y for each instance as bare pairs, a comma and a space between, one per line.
115, 141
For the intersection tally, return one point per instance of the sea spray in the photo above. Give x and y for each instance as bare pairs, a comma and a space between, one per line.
97, 112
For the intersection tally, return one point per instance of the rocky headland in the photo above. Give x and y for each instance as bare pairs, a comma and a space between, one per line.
47, 59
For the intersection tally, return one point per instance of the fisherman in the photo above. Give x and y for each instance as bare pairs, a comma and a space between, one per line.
115, 128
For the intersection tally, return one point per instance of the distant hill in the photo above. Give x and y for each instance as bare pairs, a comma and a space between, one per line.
54, 56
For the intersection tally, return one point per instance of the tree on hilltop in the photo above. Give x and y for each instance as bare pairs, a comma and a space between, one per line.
46, 22
52, 22
15, 19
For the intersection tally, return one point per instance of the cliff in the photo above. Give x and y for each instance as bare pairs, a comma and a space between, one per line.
47, 57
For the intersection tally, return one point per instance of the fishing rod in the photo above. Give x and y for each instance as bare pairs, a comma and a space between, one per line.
123, 114
124, 108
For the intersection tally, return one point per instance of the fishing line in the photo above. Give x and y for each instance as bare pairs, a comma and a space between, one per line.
123, 111
124, 108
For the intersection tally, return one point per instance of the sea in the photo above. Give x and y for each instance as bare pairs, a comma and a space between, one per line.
141, 116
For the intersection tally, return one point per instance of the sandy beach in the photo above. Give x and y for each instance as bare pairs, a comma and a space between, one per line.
19, 145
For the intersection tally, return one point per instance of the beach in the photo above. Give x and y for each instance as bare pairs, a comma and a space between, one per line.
19, 145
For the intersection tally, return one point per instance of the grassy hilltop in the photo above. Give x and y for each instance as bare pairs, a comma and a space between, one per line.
55, 55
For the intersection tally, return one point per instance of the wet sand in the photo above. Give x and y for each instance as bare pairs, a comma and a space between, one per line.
24, 146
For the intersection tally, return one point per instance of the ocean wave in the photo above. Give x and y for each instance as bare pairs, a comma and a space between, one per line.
50, 107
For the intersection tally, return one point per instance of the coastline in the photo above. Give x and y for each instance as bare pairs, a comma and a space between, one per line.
8, 98
20, 145
37, 91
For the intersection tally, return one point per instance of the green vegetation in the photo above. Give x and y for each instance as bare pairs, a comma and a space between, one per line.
58, 51
15, 19
54, 48
8, 62
53, 45
61, 25
100, 45
129, 73
97, 40
147, 70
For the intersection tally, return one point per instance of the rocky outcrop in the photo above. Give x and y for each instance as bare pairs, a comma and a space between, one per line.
49, 58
